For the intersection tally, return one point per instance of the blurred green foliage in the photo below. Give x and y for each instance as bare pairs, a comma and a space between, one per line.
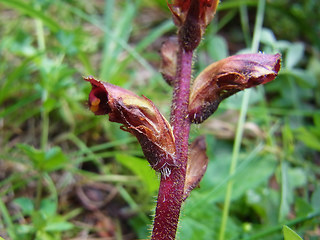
51, 145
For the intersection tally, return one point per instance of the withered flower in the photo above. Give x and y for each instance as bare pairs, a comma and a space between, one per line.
227, 77
139, 116
192, 17
197, 165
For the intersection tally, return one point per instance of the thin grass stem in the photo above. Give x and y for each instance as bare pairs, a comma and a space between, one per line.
38, 192
234, 161
45, 128
240, 125
40, 35
245, 23
44, 114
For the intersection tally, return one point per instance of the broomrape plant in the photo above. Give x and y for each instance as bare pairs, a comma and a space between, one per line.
165, 145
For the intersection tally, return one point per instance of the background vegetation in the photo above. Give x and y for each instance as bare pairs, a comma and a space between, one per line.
67, 174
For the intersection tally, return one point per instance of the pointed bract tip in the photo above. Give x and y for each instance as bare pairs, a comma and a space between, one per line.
227, 77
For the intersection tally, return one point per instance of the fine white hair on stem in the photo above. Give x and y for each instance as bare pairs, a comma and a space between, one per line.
165, 171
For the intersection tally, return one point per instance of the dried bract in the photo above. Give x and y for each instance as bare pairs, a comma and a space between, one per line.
227, 77
139, 116
169, 54
197, 165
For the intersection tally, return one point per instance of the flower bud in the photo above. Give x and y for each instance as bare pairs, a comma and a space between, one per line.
169, 52
192, 17
227, 77
139, 116
197, 165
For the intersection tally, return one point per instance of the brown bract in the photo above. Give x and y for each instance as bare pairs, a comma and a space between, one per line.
228, 76
169, 56
197, 165
139, 116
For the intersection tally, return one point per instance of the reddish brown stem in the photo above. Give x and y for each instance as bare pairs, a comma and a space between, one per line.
171, 190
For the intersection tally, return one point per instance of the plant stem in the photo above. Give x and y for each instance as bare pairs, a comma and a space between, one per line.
45, 125
245, 23
39, 192
172, 185
44, 113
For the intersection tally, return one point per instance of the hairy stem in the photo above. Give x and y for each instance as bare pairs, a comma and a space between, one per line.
172, 185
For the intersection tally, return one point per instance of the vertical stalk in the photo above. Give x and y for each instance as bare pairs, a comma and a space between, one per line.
245, 23
241, 121
40, 33
39, 191
172, 185
44, 122
108, 14
234, 161
44, 113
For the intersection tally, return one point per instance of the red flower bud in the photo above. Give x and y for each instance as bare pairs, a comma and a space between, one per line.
227, 77
139, 116
192, 17
204, 12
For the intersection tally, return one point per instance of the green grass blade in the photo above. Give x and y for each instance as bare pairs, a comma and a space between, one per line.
289, 234
123, 44
209, 197
234, 161
7, 219
271, 230
112, 50
21, 103
27, 9
241, 122
6, 88
154, 35
226, 5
